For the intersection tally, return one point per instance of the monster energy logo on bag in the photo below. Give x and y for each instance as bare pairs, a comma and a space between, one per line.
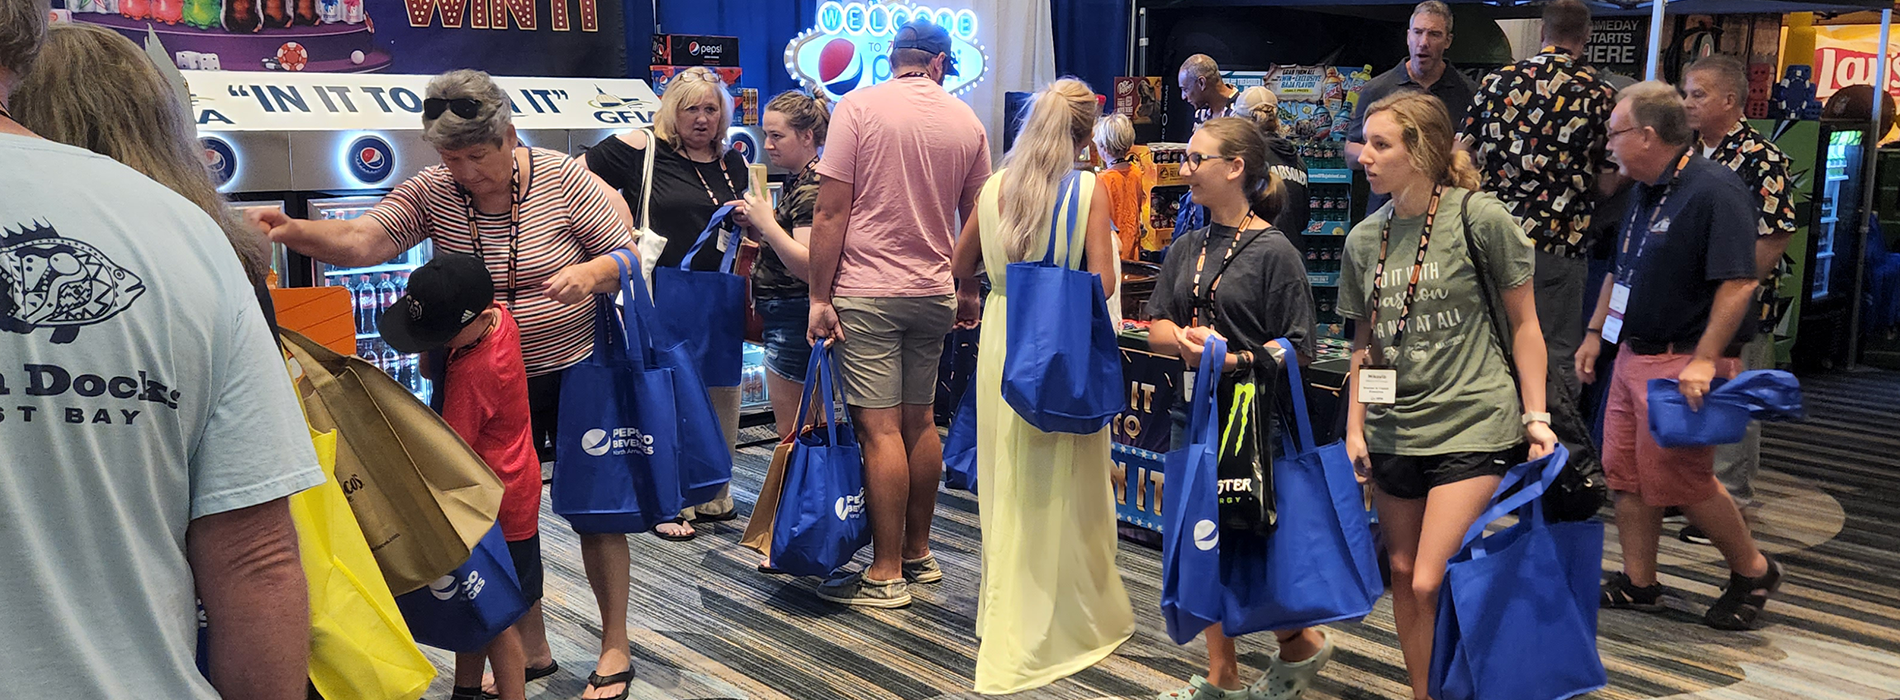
1244, 490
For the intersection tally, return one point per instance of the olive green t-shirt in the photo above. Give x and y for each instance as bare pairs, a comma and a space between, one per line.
1455, 393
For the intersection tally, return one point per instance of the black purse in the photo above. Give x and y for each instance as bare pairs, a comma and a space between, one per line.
1245, 465
1581, 489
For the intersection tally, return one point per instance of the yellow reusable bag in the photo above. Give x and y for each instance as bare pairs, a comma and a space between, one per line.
360, 648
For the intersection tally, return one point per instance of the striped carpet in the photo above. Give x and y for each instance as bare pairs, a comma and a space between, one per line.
705, 625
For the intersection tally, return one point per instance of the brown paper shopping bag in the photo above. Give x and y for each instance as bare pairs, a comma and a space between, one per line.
758, 529
422, 497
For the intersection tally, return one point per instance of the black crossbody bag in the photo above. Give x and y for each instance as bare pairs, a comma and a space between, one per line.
1581, 489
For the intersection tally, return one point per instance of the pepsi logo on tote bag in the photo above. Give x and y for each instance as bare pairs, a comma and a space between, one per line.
705, 310
1517, 614
1062, 369
1191, 592
465, 609
821, 519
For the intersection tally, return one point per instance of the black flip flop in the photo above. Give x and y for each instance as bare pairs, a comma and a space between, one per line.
675, 538
769, 569
535, 674
468, 693
727, 517
624, 679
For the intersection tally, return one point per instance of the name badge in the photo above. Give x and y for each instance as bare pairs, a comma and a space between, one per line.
1187, 383
1619, 303
1378, 386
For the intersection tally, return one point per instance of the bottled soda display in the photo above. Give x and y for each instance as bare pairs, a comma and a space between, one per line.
366, 308
204, 14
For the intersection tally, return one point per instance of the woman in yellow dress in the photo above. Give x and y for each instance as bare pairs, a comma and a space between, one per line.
1052, 601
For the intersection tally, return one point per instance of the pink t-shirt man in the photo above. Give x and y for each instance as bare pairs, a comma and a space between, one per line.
915, 157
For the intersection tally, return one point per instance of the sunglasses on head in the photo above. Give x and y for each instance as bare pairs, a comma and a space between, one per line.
463, 107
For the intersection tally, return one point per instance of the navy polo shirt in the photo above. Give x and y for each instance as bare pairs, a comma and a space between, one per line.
1703, 235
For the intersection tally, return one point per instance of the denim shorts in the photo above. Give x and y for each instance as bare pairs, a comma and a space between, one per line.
785, 321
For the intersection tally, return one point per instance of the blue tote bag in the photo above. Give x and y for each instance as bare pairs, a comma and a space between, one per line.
1063, 370
959, 444
705, 310
1319, 564
1191, 592
821, 520
466, 608
1764, 394
705, 459
1517, 615
617, 460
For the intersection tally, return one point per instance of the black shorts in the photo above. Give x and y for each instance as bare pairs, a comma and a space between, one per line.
527, 558
1411, 478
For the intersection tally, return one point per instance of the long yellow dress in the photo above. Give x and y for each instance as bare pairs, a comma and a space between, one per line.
1052, 601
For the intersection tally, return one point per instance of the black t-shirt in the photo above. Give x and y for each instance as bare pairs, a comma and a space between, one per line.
1263, 294
1703, 235
681, 204
1284, 158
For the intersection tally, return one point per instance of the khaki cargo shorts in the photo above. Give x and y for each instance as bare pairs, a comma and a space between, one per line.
891, 348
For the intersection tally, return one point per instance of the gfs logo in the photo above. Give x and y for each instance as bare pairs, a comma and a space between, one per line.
848, 507
220, 160
370, 159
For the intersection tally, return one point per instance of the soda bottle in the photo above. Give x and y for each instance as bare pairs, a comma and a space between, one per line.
276, 14
240, 16
136, 9
412, 373
402, 283
353, 11
386, 293
366, 349
204, 14
168, 11
307, 12
329, 11
392, 362
366, 303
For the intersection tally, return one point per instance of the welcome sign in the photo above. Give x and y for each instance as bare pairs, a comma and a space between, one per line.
851, 46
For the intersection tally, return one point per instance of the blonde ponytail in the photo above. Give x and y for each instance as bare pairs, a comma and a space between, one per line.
1059, 123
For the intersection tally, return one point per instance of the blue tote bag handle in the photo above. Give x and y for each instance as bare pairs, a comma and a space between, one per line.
818, 372
1201, 424
634, 303
1301, 436
1535, 484
1067, 191
713, 227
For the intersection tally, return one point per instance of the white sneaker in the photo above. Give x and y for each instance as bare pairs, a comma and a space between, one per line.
1287, 680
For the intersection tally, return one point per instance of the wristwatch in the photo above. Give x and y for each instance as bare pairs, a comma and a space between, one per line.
1536, 417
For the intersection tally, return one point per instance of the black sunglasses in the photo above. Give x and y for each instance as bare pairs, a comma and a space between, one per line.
463, 107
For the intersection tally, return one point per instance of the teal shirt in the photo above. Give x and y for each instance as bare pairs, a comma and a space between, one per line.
1455, 393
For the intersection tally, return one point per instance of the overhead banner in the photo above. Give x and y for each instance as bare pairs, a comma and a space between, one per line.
1847, 55
566, 38
262, 101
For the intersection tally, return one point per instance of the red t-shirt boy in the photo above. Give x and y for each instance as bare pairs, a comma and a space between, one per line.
450, 305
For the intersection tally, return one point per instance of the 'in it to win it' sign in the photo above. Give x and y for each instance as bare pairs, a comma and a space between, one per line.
496, 14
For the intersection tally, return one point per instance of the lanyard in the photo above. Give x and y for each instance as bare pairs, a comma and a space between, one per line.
1411, 287
517, 191
1628, 267
722, 171
1205, 300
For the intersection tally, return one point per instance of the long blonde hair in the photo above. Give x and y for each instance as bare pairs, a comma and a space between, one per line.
690, 86
1425, 128
1060, 120
95, 89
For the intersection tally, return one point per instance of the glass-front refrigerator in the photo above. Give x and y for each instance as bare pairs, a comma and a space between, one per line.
373, 289
1833, 247
279, 256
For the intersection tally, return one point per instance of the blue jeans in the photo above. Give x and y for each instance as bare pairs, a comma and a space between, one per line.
785, 321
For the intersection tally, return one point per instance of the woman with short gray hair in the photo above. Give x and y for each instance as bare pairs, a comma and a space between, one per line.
543, 225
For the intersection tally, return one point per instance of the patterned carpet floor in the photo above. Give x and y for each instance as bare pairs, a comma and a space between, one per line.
705, 625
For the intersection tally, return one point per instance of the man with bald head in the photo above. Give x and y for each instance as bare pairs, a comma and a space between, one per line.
1203, 88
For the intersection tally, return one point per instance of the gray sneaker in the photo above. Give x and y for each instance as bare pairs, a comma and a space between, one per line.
855, 589
923, 570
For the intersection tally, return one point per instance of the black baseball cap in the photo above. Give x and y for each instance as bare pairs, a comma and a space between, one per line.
926, 36
444, 296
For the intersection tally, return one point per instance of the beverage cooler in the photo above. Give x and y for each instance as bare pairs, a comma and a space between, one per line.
1826, 279
372, 290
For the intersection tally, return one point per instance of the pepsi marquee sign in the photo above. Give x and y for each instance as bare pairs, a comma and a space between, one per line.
226, 101
851, 46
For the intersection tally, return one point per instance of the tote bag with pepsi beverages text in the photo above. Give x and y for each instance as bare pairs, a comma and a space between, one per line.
821, 515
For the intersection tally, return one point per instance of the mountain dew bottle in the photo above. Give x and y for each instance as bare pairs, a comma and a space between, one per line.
204, 14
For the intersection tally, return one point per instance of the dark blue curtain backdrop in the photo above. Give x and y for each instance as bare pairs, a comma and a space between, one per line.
639, 18
1091, 38
764, 27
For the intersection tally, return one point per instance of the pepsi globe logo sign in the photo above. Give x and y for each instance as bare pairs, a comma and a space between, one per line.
744, 144
370, 159
220, 160
851, 46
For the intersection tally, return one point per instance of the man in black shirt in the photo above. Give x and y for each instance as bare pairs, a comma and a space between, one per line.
1685, 277
1424, 70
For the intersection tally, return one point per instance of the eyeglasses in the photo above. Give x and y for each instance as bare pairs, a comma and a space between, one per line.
463, 107
1620, 132
1194, 160
699, 74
